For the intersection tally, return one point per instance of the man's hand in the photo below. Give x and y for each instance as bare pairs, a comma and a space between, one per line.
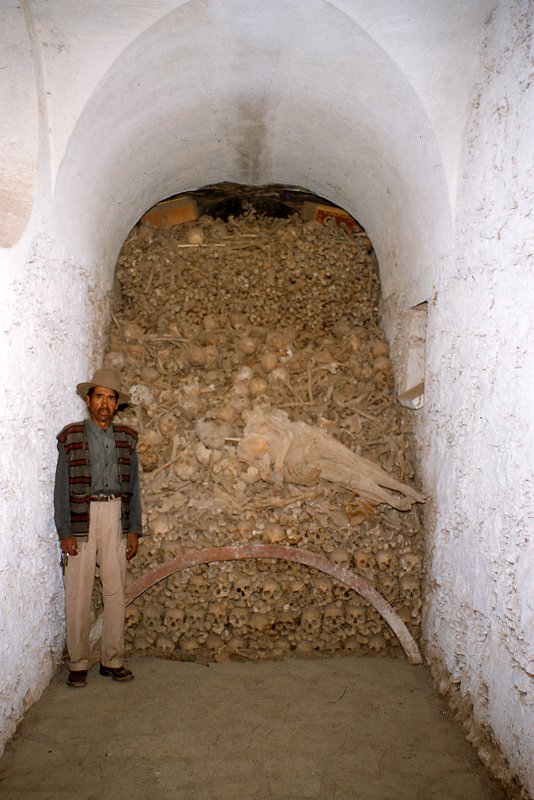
132, 543
69, 545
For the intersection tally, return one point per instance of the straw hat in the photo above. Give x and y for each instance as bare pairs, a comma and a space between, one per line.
107, 378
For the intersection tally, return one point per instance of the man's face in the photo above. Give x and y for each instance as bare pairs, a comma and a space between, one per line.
102, 405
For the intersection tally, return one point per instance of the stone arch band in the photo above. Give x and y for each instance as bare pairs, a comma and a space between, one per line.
193, 558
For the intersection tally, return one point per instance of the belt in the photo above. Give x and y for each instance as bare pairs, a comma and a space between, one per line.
103, 498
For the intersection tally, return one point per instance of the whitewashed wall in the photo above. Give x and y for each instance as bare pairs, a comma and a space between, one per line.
364, 103
19, 128
479, 423
41, 351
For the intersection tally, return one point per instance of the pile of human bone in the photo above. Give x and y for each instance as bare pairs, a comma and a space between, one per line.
263, 395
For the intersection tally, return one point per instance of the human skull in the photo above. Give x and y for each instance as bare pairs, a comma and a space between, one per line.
351, 644
165, 645
176, 582
341, 591
377, 643
271, 591
195, 616
152, 617
322, 589
355, 613
328, 642
364, 633
386, 560
149, 457
410, 587
405, 614
140, 395
304, 646
213, 572
310, 621
238, 617
115, 359
186, 468
214, 643
133, 615
244, 527
160, 525
216, 617
239, 396
364, 562
150, 438
197, 585
188, 643
382, 379
273, 533
280, 647
260, 606
292, 600
285, 624
168, 425
377, 536
249, 567
263, 646
257, 386
142, 644
388, 586
243, 588
174, 621
410, 562
211, 434
224, 586
237, 644
170, 549
340, 557
258, 623
315, 536
333, 616
374, 626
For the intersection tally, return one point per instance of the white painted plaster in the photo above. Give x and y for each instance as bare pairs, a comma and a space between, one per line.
348, 67
480, 425
18, 126
77, 45
435, 46
251, 94
46, 319
363, 103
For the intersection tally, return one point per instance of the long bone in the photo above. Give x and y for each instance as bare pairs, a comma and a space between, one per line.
206, 555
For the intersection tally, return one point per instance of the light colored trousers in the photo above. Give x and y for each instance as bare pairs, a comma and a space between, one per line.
106, 547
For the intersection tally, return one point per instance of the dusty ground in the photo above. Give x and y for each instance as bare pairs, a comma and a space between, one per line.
335, 729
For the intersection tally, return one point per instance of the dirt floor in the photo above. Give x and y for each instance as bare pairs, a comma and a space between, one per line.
358, 728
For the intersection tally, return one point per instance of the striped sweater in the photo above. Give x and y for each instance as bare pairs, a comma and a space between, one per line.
73, 439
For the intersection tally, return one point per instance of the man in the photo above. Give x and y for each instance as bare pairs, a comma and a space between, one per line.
98, 519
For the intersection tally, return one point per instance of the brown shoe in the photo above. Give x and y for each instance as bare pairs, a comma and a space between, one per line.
117, 673
77, 678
